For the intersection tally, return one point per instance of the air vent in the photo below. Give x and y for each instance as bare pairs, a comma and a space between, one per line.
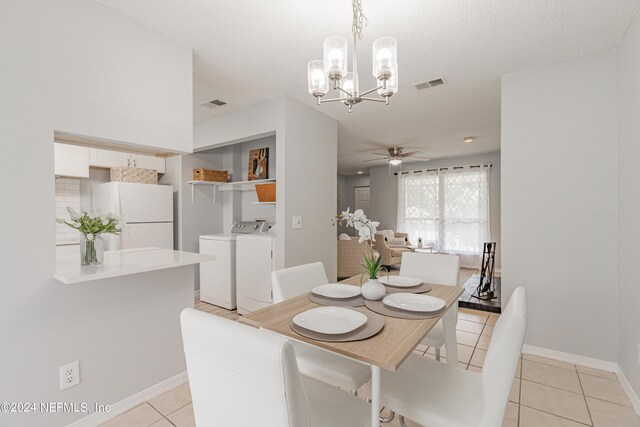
214, 103
430, 83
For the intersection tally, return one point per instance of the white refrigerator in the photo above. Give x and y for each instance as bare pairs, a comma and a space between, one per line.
147, 210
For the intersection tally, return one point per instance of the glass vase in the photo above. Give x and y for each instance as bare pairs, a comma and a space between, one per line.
91, 250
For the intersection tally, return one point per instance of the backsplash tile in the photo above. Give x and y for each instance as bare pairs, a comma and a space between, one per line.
67, 194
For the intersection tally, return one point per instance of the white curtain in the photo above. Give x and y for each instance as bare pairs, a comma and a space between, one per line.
447, 208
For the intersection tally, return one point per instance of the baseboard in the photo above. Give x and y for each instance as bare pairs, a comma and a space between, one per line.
589, 363
631, 394
132, 401
571, 358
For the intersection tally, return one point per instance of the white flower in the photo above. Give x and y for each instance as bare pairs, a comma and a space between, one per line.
365, 234
60, 220
90, 237
105, 221
72, 213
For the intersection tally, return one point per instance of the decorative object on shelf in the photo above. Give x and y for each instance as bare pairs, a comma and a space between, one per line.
202, 174
419, 242
373, 289
266, 192
132, 174
333, 68
258, 164
486, 288
91, 227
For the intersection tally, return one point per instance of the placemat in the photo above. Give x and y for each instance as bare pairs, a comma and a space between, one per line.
420, 289
357, 301
380, 308
374, 324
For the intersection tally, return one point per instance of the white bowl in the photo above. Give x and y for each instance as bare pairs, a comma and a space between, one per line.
336, 290
414, 302
330, 320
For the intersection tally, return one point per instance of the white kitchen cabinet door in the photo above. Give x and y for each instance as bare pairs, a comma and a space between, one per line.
71, 160
148, 162
108, 159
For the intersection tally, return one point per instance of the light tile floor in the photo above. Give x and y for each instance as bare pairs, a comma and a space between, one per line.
545, 392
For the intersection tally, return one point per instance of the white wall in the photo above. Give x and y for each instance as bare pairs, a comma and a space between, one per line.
629, 203
559, 131
346, 196
79, 67
384, 191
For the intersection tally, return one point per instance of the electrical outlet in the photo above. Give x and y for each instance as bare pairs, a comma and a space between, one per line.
69, 375
297, 222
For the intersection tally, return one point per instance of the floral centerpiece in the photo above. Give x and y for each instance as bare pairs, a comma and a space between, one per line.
366, 228
91, 227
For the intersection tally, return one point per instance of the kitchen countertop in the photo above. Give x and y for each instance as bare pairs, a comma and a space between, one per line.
124, 262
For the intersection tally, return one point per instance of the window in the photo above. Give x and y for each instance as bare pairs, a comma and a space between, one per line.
448, 208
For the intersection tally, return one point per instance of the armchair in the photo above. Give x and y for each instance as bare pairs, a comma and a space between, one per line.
391, 254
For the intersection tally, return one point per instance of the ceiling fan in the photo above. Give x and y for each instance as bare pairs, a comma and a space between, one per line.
395, 156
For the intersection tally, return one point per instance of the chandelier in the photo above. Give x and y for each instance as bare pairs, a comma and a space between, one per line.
333, 68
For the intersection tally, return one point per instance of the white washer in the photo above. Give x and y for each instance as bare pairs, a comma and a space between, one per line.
218, 278
254, 264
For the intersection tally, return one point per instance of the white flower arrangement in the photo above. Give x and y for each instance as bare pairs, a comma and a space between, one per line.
366, 230
365, 227
94, 224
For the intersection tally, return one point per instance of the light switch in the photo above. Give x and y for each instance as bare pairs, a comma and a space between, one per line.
297, 222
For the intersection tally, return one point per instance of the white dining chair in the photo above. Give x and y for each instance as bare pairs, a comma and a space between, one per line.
314, 362
435, 394
439, 269
246, 377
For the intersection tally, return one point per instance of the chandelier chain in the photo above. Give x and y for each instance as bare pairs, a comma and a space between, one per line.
359, 20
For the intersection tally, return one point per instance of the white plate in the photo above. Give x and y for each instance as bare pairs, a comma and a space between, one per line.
400, 281
336, 290
414, 302
330, 320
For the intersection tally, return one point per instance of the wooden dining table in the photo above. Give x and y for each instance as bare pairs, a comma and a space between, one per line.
385, 350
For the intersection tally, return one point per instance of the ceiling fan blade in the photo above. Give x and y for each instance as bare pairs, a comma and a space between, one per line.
411, 153
381, 154
375, 160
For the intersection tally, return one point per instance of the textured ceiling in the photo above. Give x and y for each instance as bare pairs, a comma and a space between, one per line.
248, 51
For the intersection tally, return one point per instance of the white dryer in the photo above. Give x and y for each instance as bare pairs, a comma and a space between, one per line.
254, 264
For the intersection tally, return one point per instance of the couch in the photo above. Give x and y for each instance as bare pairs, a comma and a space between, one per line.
351, 257
391, 254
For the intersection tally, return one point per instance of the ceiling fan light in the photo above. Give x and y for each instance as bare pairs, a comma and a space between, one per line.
385, 58
395, 162
335, 57
317, 80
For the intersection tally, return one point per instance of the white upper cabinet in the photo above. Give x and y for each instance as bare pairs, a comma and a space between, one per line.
71, 160
111, 159
148, 162
107, 158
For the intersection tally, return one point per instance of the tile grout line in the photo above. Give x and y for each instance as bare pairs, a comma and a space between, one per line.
584, 397
556, 415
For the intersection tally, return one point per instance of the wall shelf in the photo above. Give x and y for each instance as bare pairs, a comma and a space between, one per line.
228, 186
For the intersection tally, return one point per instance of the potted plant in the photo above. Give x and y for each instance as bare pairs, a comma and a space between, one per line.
91, 227
373, 289
419, 242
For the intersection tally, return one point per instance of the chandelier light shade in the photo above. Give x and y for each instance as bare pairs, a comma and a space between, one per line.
335, 57
317, 79
385, 58
391, 87
333, 72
